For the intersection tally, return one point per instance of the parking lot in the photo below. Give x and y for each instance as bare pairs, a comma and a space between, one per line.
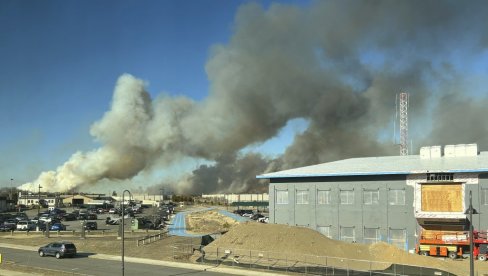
149, 215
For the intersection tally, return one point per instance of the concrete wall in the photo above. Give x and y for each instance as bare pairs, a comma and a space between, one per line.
382, 216
480, 202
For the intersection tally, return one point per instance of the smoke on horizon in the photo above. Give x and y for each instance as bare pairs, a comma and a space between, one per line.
337, 64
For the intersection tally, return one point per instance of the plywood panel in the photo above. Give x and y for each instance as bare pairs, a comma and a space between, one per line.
442, 198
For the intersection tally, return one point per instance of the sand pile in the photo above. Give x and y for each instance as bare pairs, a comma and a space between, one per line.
206, 222
305, 245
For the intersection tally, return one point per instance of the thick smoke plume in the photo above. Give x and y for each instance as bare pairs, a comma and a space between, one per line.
337, 64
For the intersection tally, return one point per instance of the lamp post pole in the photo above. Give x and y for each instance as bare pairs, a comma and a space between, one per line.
162, 196
123, 226
39, 201
471, 260
11, 187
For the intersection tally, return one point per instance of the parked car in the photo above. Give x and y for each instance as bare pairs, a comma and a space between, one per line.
45, 218
112, 221
7, 227
91, 216
11, 223
91, 225
21, 216
57, 227
69, 216
257, 216
244, 213
41, 226
25, 225
58, 249
248, 214
101, 211
82, 216
56, 211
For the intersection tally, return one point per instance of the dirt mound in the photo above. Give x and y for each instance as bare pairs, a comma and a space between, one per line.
206, 222
306, 245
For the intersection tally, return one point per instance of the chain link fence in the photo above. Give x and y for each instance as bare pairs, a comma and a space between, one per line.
297, 263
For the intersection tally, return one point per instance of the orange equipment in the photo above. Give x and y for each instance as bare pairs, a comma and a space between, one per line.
452, 244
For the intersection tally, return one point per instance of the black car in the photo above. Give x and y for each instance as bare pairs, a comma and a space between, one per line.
7, 227
91, 216
69, 216
257, 216
91, 225
58, 250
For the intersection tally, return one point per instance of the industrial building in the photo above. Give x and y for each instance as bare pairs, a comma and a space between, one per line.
390, 198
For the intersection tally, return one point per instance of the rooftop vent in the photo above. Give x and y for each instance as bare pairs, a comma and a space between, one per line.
461, 150
430, 152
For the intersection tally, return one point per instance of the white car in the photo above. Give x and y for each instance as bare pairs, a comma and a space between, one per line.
45, 218
25, 225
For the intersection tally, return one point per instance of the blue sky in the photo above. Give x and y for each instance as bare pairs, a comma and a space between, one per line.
60, 61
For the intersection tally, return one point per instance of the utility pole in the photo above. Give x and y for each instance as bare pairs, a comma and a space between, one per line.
39, 201
11, 187
123, 228
162, 196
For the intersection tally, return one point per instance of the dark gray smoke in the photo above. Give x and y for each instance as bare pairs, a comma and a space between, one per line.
337, 64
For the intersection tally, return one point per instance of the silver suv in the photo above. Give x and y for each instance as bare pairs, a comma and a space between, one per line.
58, 249
25, 225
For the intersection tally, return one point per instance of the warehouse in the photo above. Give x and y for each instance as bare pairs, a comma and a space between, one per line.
388, 198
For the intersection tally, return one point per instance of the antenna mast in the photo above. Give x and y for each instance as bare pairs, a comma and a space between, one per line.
404, 123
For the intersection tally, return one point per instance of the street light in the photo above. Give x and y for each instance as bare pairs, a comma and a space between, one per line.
471, 211
11, 186
39, 201
123, 225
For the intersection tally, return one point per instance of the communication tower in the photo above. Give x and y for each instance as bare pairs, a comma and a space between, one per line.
403, 110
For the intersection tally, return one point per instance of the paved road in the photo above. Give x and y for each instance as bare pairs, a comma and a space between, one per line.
88, 264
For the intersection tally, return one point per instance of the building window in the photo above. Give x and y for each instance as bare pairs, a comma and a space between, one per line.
398, 238
324, 230
348, 234
440, 177
282, 197
323, 197
371, 197
396, 197
371, 235
347, 197
302, 197
484, 196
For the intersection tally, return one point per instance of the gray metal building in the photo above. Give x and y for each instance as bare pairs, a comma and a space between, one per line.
388, 199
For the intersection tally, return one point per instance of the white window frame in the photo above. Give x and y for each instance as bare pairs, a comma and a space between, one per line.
371, 197
346, 197
302, 197
484, 196
368, 239
325, 230
281, 197
323, 197
396, 197
397, 240
346, 237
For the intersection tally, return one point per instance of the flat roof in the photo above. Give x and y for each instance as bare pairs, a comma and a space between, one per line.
388, 165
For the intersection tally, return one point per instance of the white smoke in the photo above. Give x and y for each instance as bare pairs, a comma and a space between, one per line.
337, 64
